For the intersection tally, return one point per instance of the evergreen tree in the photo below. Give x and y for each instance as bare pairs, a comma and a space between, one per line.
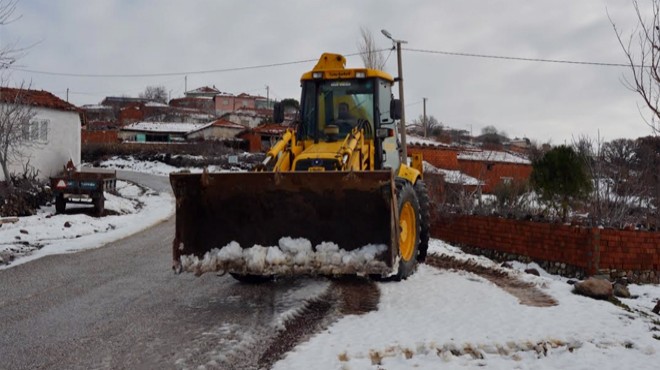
560, 178
290, 103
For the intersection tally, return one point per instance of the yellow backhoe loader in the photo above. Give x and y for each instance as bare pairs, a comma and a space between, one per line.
333, 196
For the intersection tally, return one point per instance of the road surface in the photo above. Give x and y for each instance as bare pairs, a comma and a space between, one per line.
121, 306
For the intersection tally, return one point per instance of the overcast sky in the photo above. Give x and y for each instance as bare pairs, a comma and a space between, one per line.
543, 101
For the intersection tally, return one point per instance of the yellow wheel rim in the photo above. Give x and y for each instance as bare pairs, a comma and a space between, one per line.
408, 233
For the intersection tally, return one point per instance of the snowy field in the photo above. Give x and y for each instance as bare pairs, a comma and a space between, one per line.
445, 319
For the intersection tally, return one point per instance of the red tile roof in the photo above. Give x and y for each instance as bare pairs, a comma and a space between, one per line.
226, 123
270, 128
37, 98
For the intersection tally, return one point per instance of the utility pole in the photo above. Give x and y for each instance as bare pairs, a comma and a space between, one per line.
67, 94
425, 121
185, 85
267, 96
402, 122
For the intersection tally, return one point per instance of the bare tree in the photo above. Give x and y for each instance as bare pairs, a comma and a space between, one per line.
155, 93
371, 56
642, 49
433, 126
17, 129
9, 53
18, 132
621, 192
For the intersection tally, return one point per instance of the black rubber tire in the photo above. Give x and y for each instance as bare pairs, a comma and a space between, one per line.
251, 279
406, 194
425, 216
60, 204
99, 206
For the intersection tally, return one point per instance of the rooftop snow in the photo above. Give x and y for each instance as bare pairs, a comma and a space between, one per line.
177, 127
416, 140
492, 156
155, 104
453, 177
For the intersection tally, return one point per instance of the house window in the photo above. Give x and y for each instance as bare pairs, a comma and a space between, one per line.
245, 103
36, 130
506, 180
225, 102
43, 130
26, 131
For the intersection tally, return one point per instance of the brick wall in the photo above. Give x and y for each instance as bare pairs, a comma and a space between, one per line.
494, 173
99, 136
131, 114
634, 254
437, 156
629, 250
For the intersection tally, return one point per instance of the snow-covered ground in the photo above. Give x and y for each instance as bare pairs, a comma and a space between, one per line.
435, 319
46, 233
444, 319
158, 168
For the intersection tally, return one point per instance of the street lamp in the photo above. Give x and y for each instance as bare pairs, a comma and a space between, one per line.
402, 122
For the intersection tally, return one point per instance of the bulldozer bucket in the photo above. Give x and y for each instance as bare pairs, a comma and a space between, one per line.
275, 223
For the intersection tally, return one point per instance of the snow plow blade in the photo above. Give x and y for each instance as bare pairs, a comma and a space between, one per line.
292, 223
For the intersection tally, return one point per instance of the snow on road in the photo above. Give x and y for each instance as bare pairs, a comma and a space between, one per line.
46, 233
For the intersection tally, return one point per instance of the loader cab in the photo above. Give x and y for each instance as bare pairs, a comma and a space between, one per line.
331, 108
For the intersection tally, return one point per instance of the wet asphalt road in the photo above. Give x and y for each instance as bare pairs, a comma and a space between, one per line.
122, 307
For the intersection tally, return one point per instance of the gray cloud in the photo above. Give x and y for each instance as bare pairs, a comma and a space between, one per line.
543, 101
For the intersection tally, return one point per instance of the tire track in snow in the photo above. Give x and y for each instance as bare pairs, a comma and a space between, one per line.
345, 296
527, 293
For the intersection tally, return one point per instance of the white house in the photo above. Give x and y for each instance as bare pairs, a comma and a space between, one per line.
53, 132
245, 118
218, 130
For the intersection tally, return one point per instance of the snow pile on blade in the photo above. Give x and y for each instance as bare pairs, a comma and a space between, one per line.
290, 257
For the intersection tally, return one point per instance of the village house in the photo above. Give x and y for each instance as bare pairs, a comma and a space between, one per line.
220, 129
261, 138
53, 132
159, 131
229, 103
489, 167
247, 119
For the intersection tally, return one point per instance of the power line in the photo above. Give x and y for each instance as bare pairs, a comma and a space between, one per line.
165, 74
460, 54
262, 66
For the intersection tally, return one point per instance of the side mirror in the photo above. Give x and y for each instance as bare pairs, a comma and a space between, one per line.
395, 109
278, 113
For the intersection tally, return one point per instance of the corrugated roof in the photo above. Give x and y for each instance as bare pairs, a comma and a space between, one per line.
37, 98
